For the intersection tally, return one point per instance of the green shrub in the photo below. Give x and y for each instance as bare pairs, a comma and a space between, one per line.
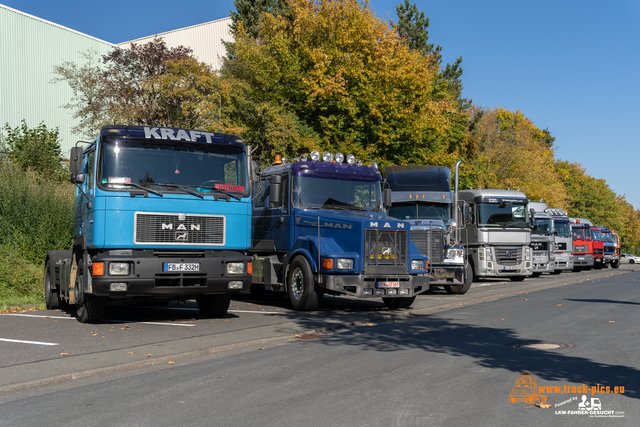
35, 215
20, 280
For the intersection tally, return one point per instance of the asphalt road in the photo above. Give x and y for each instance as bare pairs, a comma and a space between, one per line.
447, 361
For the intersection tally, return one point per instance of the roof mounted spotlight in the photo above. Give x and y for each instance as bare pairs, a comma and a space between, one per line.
374, 164
315, 155
339, 157
351, 159
303, 157
359, 162
327, 156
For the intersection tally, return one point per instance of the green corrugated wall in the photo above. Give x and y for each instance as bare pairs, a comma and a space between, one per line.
29, 49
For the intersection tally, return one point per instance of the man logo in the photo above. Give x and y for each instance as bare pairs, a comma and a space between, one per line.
182, 236
386, 251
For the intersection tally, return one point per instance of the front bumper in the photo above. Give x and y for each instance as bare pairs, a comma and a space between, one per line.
542, 263
355, 285
582, 260
564, 261
446, 275
147, 277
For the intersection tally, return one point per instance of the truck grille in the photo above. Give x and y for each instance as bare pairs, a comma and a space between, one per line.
539, 246
178, 229
598, 251
435, 236
508, 255
608, 249
562, 246
386, 247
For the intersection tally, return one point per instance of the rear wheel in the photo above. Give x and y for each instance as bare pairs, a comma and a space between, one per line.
51, 296
304, 292
89, 308
397, 303
213, 305
631, 261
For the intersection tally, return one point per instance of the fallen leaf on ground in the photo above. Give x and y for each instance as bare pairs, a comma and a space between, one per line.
131, 352
140, 330
543, 405
524, 299
500, 319
611, 321
171, 363
149, 355
64, 354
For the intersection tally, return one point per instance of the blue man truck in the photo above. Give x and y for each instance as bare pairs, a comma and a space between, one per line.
319, 227
161, 214
422, 195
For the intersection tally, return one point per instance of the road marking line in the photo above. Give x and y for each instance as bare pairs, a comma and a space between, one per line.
35, 315
148, 323
28, 342
250, 311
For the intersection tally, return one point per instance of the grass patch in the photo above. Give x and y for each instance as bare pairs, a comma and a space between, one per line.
21, 282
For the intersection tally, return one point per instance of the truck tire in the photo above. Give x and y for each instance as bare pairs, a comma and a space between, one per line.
51, 296
304, 292
555, 272
89, 308
463, 288
615, 264
538, 274
213, 305
517, 278
397, 303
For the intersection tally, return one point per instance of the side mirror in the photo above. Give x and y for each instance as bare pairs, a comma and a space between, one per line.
78, 178
275, 191
466, 214
386, 198
75, 160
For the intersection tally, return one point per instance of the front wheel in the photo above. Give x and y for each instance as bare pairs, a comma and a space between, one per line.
517, 278
555, 272
538, 274
89, 308
397, 303
213, 305
304, 292
463, 288
615, 264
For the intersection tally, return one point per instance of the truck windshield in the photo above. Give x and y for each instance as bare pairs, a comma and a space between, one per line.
335, 193
562, 228
597, 235
606, 237
502, 215
202, 168
581, 233
421, 210
542, 226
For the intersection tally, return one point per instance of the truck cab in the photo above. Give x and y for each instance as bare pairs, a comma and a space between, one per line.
564, 241
422, 195
498, 237
161, 214
542, 239
598, 248
611, 252
582, 244
319, 227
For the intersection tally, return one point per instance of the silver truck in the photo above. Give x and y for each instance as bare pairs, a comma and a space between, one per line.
542, 239
422, 195
564, 240
498, 235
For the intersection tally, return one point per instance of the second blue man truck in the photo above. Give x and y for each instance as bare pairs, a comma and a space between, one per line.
422, 195
319, 227
161, 214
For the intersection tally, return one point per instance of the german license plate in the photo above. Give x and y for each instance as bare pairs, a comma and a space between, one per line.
387, 284
580, 258
508, 268
181, 266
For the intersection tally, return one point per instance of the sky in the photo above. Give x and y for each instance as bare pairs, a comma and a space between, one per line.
572, 67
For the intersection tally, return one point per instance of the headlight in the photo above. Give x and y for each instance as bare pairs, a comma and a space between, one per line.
417, 264
527, 254
118, 268
345, 264
235, 268
455, 254
489, 257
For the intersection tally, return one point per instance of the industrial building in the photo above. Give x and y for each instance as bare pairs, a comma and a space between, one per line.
30, 48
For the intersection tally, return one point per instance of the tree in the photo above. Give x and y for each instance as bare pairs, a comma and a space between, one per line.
509, 151
36, 148
345, 76
118, 90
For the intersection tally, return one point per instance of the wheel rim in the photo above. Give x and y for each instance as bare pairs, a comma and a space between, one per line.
77, 290
297, 283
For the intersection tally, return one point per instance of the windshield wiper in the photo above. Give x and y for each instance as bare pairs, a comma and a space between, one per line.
344, 207
226, 193
185, 189
142, 187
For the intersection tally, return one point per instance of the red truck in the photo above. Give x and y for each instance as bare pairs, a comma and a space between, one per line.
582, 244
